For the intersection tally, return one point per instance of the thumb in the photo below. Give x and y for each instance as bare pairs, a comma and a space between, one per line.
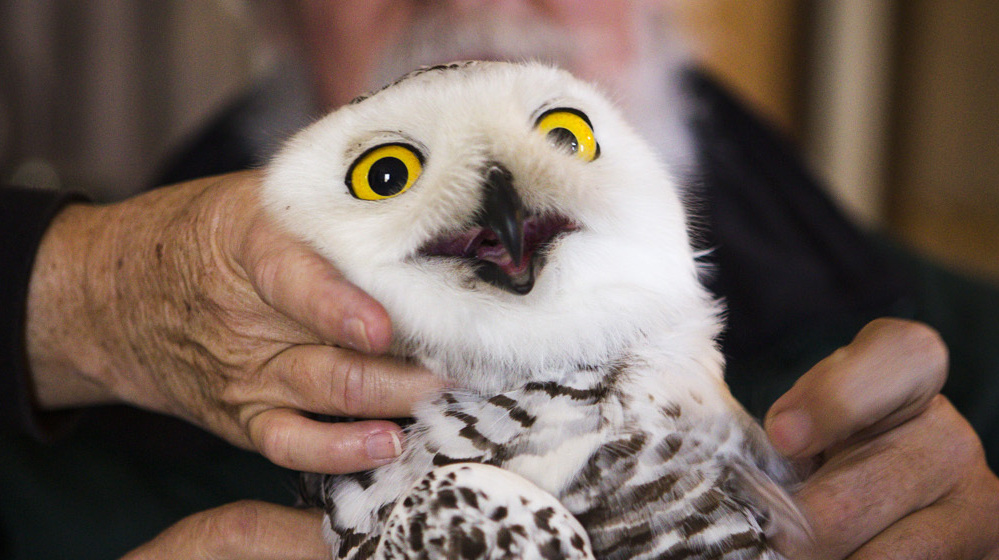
885, 376
246, 530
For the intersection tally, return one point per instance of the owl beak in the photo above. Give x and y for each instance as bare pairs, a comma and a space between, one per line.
503, 213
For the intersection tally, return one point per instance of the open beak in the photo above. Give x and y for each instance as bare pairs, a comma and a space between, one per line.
506, 244
502, 213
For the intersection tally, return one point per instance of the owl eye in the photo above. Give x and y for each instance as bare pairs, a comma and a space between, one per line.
569, 130
384, 171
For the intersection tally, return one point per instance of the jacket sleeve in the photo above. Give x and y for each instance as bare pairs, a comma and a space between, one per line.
25, 215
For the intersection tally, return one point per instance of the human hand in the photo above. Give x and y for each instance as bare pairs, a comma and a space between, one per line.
246, 530
187, 300
900, 473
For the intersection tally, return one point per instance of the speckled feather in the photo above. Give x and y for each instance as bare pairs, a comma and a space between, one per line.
646, 479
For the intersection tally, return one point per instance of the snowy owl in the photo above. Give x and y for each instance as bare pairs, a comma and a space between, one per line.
533, 252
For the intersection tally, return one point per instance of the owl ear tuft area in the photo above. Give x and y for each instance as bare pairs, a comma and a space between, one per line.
384, 171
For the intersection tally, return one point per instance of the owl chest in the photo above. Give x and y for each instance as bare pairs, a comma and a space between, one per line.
551, 435
609, 457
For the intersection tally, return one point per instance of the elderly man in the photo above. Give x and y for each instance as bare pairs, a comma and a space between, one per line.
187, 301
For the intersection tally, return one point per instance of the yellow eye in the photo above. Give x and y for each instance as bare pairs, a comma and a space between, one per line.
384, 171
569, 130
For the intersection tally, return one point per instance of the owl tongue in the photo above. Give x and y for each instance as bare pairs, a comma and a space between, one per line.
487, 248
491, 254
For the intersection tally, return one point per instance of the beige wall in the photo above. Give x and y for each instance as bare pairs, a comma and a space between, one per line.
944, 190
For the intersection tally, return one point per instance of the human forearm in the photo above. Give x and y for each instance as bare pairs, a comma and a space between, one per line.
25, 216
64, 354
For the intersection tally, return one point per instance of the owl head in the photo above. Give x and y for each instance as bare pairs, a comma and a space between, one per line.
509, 220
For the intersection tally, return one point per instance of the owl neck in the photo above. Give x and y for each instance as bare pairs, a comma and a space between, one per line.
687, 357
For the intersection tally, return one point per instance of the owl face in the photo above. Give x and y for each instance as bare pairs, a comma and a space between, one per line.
504, 214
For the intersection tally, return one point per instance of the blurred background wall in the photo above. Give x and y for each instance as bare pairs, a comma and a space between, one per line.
94, 94
894, 102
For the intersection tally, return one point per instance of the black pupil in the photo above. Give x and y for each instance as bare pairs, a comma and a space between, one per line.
388, 176
564, 138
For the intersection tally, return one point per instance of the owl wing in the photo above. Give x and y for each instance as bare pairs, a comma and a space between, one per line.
694, 489
477, 512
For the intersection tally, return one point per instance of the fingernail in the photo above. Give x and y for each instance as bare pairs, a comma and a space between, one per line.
357, 334
790, 431
383, 446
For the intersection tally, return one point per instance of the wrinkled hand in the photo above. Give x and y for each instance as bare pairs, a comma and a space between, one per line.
900, 473
187, 300
245, 530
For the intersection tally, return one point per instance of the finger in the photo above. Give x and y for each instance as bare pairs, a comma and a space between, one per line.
290, 440
341, 382
242, 530
887, 374
865, 488
304, 286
